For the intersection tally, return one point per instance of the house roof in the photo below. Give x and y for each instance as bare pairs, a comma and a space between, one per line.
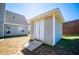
51, 12
14, 18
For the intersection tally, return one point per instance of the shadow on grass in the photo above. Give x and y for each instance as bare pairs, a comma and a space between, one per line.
63, 47
71, 45
68, 43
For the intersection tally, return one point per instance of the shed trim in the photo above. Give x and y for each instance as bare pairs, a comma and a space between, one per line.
53, 29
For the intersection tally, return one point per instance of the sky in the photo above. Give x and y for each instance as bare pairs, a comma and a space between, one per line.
70, 11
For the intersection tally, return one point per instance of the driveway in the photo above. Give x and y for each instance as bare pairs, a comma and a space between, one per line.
13, 46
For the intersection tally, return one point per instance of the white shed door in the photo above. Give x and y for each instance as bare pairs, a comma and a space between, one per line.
40, 30
37, 34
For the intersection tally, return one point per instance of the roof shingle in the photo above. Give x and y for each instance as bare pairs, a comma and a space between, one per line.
15, 18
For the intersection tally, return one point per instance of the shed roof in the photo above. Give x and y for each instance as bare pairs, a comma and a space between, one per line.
51, 12
15, 18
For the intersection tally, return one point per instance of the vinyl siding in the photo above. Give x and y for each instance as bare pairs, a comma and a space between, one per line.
15, 30
2, 11
1, 30
48, 30
58, 30
37, 29
42, 29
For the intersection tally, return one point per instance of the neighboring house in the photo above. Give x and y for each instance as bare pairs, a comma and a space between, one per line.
71, 27
47, 27
12, 23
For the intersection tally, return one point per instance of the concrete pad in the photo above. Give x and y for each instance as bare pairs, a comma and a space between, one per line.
33, 45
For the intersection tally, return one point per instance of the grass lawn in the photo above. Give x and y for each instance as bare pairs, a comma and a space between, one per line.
70, 43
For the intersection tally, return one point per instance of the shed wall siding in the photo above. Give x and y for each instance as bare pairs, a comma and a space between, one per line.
42, 29
32, 31
48, 30
37, 29
58, 30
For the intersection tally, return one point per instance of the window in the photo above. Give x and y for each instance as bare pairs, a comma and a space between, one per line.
13, 17
8, 32
22, 30
8, 27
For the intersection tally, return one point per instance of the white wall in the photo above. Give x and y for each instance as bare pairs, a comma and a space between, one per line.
58, 30
1, 30
7, 29
17, 30
39, 29
2, 13
32, 30
37, 26
20, 28
42, 30
48, 30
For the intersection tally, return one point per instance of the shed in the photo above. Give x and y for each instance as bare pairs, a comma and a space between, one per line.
47, 27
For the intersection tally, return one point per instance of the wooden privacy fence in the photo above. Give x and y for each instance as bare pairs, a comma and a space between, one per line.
71, 27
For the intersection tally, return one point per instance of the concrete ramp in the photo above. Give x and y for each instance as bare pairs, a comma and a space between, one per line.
33, 45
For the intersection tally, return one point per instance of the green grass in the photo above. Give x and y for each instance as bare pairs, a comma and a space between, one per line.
69, 42
71, 37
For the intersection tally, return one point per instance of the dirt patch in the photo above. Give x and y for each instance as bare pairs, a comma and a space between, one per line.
11, 46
